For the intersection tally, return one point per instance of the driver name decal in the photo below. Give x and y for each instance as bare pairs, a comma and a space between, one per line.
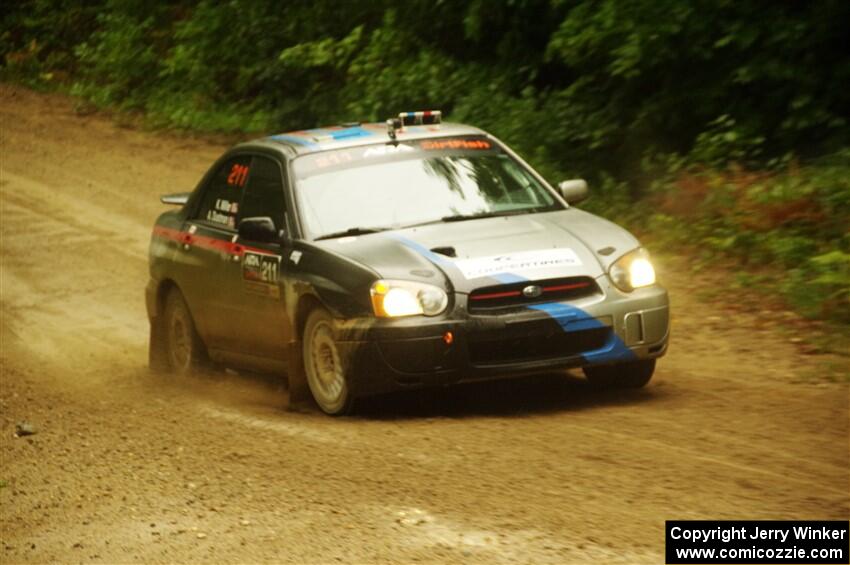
517, 262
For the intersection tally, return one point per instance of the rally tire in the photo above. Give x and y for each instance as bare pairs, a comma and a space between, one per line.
326, 370
184, 350
632, 374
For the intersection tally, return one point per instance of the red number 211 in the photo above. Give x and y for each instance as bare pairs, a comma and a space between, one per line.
238, 175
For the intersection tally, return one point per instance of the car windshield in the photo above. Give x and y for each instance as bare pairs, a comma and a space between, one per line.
378, 187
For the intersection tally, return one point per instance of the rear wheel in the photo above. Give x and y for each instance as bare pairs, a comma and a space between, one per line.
325, 368
184, 350
634, 374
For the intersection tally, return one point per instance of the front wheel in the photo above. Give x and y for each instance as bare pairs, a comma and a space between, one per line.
633, 374
325, 368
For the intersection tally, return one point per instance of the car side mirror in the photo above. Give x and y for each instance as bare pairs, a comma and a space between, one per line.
574, 191
261, 229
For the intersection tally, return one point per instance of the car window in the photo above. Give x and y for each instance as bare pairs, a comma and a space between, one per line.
264, 192
220, 201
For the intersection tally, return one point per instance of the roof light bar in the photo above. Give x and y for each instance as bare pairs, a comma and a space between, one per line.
428, 117
420, 118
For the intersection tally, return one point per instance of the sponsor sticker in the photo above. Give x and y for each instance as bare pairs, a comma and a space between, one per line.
261, 273
518, 263
456, 144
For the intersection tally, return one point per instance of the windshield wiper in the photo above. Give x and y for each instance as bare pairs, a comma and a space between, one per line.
351, 231
492, 214
476, 216
463, 217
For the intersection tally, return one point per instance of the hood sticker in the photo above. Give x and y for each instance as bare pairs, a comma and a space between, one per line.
516, 263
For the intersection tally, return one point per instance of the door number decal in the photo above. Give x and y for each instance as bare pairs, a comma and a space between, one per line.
261, 274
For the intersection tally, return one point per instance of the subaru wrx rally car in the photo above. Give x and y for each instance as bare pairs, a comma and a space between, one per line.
364, 258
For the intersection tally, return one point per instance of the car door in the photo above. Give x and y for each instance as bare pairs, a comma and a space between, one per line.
205, 252
261, 327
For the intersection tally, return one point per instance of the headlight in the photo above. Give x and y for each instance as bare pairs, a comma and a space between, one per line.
391, 299
632, 270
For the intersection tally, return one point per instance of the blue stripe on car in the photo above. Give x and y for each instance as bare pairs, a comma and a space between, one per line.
349, 133
573, 319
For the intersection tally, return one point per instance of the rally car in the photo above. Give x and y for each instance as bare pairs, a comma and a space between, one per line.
364, 258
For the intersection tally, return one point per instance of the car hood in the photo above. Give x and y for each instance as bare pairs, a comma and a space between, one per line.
490, 251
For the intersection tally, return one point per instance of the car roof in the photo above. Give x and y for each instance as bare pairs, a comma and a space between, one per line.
302, 142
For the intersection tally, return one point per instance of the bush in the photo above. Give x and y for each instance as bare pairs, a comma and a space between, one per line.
793, 219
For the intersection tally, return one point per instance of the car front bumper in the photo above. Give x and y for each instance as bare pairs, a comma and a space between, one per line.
612, 327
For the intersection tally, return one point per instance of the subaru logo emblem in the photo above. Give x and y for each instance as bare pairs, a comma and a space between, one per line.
532, 291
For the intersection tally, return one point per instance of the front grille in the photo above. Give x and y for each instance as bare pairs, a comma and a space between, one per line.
523, 345
511, 295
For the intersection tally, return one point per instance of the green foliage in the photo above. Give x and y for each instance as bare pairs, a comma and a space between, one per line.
38, 38
793, 221
121, 42
579, 86
831, 281
666, 76
724, 141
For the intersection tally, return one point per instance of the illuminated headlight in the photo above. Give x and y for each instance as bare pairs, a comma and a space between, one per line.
632, 270
392, 299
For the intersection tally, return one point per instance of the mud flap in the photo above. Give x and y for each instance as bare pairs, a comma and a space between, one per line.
157, 360
300, 397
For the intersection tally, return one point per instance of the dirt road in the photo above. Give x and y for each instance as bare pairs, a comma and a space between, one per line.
127, 466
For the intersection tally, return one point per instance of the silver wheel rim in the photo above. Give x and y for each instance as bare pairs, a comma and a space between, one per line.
179, 343
326, 375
